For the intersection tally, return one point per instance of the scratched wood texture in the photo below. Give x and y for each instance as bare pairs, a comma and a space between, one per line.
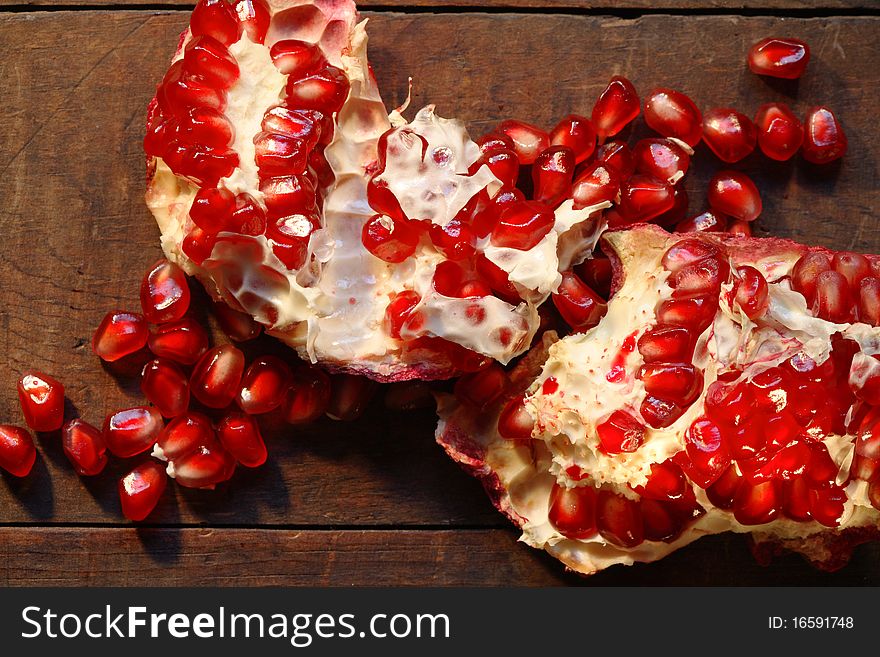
376, 502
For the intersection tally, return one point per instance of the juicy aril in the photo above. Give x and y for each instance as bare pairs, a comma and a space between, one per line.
733, 385
392, 249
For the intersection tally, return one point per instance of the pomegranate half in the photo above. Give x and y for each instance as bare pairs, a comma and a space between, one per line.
733, 385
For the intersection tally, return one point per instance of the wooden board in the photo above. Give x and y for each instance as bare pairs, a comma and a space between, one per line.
77, 237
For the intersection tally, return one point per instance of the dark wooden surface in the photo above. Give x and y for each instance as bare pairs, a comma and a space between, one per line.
375, 502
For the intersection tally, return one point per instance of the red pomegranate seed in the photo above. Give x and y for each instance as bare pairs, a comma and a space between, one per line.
659, 413
826, 505
679, 382
619, 519
212, 208
296, 58
824, 139
805, 272
183, 341
17, 451
573, 511
751, 291
868, 310
216, 377
492, 140
853, 266
729, 134
687, 251
204, 126
616, 106
780, 134
198, 245
264, 385
84, 447
678, 211
497, 279
399, 310
120, 334
132, 430
209, 59
673, 114
383, 200
833, 301
796, 499
389, 240
202, 164
324, 90
723, 491
349, 396
617, 155
706, 275
821, 468
740, 228
306, 125
42, 401
734, 194
707, 454
666, 483
705, 222
597, 273
662, 159
756, 504
289, 237
729, 404
164, 293
140, 489
551, 174
240, 435
166, 387
644, 197
482, 388
308, 396
660, 521
217, 19
577, 133
696, 313
456, 240
874, 494
779, 58
277, 155
672, 344
238, 326
184, 435
621, 432
528, 140
452, 279
522, 225
502, 162
579, 305
515, 422
598, 183
205, 467
255, 18
181, 90
789, 462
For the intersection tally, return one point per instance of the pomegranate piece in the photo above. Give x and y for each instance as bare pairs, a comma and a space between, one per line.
617, 155
17, 451
216, 19
616, 106
264, 385
662, 159
751, 291
733, 193
673, 114
238, 326
551, 174
183, 341
528, 141
573, 511
576, 133
349, 396
183, 435
389, 240
515, 422
240, 435
598, 183
779, 57
579, 305
780, 133
164, 293
84, 447
120, 334
140, 490
131, 431
621, 432
522, 225
731, 135
619, 519
482, 388
166, 387
42, 401
216, 378
824, 139
205, 467
308, 396
644, 197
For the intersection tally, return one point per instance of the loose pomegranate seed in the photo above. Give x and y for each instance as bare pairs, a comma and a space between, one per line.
120, 334
696, 313
166, 387
734, 194
644, 197
671, 344
528, 140
780, 134
240, 435
205, 467
140, 489
349, 397
573, 511
662, 159
264, 385
868, 310
515, 422
198, 245
705, 222
729, 134
184, 435
522, 225
707, 455
84, 447
324, 90
296, 58
255, 18
238, 326
619, 519
132, 431
17, 451
805, 272
756, 504
598, 183
678, 211
616, 106
779, 58
164, 293
456, 240
216, 379
212, 208
577, 133
580, 306
832, 300
751, 292
673, 114
824, 139
621, 432
617, 155
42, 401
209, 59
551, 174
706, 275
308, 396
389, 240
723, 491
482, 388
183, 341
687, 251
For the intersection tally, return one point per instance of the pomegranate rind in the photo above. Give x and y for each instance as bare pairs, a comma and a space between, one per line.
519, 475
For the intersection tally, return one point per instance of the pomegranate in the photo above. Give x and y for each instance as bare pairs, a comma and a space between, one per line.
733, 384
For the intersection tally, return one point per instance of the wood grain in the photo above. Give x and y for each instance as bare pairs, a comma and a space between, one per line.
76, 238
